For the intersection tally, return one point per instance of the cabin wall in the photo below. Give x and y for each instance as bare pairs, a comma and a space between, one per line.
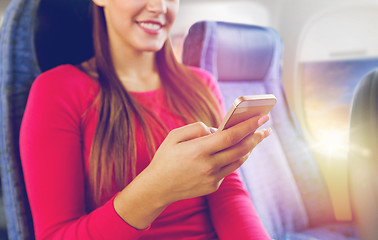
242, 11
295, 17
353, 40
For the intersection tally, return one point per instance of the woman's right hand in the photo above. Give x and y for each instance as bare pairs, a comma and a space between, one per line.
191, 162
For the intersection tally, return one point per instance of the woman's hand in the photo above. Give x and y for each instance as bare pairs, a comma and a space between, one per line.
192, 161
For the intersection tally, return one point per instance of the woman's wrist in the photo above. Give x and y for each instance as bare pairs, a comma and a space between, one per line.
141, 202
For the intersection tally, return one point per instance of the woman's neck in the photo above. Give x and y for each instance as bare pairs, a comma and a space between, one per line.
137, 70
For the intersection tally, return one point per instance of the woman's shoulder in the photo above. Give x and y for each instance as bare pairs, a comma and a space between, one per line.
206, 76
65, 80
64, 77
65, 83
210, 81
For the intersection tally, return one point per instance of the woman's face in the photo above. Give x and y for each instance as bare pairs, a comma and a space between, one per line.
142, 25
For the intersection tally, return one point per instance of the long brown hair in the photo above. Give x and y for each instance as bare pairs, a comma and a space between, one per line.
113, 153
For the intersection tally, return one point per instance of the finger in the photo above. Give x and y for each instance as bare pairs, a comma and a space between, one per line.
267, 132
239, 151
233, 135
233, 166
189, 132
230, 168
213, 130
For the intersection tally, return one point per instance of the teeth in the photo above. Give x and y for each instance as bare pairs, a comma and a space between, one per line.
150, 26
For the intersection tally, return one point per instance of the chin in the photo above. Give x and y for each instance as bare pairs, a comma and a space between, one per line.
155, 48
151, 46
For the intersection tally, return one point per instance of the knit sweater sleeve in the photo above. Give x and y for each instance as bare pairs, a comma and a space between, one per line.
53, 165
231, 209
232, 212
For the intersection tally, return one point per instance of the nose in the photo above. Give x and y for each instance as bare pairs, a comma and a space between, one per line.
157, 6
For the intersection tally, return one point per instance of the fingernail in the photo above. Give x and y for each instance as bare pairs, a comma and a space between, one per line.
268, 132
212, 130
263, 120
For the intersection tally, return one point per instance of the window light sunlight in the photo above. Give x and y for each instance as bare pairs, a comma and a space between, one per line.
332, 142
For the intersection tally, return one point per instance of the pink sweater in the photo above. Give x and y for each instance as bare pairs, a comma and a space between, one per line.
55, 141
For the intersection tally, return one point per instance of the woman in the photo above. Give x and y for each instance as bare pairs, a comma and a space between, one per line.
121, 147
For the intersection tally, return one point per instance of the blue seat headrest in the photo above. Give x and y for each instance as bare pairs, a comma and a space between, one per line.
234, 52
246, 54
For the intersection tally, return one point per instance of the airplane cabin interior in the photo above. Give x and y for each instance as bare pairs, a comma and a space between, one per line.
318, 57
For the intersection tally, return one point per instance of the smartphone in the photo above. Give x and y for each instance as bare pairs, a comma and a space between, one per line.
246, 107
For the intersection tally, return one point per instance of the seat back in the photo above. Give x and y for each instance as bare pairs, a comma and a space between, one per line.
36, 35
18, 69
63, 32
363, 156
281, 175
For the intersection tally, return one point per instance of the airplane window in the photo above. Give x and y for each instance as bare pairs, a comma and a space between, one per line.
328, 88
338, 48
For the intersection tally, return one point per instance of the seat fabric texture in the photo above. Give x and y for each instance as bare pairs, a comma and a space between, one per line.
18, 69
35, 36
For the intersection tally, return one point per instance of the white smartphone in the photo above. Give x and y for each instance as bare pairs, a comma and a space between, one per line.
246, 107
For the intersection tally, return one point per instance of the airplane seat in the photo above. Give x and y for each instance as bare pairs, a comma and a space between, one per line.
281, 176
18, 69
33, 38
363, 156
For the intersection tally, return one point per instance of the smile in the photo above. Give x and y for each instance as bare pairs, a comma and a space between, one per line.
150, 26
